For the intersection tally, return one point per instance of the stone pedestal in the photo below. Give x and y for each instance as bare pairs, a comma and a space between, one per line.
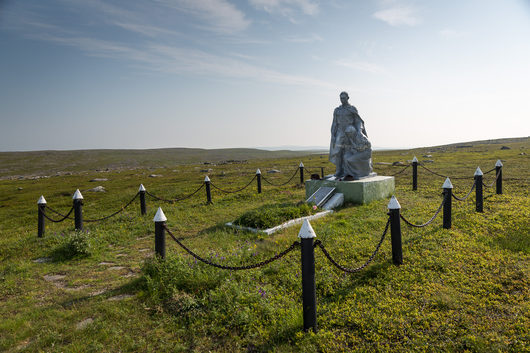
358, 191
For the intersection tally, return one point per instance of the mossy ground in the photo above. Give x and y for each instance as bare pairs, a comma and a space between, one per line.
464, 289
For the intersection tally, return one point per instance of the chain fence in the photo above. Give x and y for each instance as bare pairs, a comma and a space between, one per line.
426, 223
494, 181
113, 214
287, 182
234, 268
234, 191
465, 197
443, 176
360, 268
401, 171
177, 199
57, 220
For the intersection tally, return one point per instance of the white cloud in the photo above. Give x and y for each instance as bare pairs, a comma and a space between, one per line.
216, 15
287, 8
399, 15
361, 66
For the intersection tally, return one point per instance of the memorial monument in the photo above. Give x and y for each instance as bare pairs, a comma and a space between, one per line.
350, 150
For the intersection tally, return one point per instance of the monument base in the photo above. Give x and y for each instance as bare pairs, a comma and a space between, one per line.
358, 191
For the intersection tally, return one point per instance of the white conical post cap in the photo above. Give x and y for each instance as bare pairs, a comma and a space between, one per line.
258, 171
478, 172
301, 165
306, 231
414, 160
447, 184
499, 163
206, 179
77, 195
142, 188
394, 204
160, 216
42, 200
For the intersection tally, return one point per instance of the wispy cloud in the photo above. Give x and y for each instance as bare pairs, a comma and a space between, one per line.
287, 8
216, 15
361, 66
399, 15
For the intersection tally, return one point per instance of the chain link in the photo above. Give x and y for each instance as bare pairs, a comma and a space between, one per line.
58, 213
443, 176
113, 214
426, 223
177, 199
235, 268
57, 220
287, 182
360, 268
232, 192
465, 197
494, 181
401, 171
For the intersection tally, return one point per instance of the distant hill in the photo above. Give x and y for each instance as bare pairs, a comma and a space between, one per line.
52, 162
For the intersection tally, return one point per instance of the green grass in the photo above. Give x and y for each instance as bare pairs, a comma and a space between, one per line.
464, 289
274, 214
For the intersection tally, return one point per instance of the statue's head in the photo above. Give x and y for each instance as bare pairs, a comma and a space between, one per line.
344, 97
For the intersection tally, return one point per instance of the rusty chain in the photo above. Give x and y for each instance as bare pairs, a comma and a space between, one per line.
234, 268
232, 192
426, 223
287, 182
494, 181
360, 268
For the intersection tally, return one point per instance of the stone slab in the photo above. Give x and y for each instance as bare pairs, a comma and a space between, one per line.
322, 195
358, 191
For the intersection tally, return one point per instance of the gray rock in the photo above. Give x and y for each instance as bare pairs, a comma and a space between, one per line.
206, 170
383, 163
273, 171
97, 189
154, 175
98, 179
81, 325
505, 148
42, 260
427, 156
427, 161
398, 163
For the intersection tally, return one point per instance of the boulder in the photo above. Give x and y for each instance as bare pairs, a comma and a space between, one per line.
273, 171
98, 179
398, 163
97, 189
505, 148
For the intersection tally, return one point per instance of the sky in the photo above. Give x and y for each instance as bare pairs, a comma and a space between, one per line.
90, 74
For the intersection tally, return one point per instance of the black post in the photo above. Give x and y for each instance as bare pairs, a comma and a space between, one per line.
322, 172
395, 231
141, 191
301, 166
479, 198
78, 210
414, 173
208, 190
160, 233
498, 172
41, 225
258, 178
448, 190
309, 297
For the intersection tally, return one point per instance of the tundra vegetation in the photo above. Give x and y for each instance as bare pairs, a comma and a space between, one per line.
463, 289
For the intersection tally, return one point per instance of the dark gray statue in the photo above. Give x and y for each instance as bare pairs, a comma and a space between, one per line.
350, 150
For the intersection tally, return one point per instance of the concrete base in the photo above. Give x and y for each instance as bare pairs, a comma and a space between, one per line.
358, 191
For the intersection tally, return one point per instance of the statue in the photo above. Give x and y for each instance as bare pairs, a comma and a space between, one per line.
350, 150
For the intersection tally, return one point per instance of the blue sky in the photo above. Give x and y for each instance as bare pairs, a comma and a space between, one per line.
77, 74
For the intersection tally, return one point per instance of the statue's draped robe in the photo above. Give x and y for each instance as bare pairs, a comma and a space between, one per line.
350, 149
